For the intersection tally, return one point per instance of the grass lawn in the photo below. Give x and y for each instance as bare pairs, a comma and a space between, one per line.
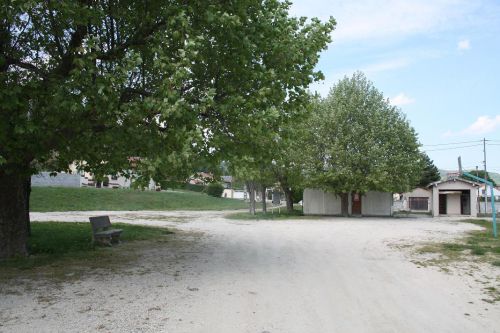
51, 199
270, 215
53, 242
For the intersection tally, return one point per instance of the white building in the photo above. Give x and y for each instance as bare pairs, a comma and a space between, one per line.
319, 202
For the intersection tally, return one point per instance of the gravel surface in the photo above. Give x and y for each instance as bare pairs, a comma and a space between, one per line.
219, 275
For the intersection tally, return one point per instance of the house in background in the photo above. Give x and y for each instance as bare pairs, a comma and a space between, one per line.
319, 202
454, 197
417, 201
450, 197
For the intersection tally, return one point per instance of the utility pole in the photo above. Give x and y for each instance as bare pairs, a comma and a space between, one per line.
485, 177
478, 191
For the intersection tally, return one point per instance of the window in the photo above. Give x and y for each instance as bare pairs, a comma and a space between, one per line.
418, 203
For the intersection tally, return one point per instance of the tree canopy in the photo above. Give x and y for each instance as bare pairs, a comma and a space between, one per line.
430, 173
97, 82
360, 142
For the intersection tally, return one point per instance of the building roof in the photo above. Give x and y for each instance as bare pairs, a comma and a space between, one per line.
454, 179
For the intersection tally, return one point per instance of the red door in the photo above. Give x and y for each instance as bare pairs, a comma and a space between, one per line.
356, 204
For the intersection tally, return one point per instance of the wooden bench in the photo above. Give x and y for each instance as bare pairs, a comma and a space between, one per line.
101, 232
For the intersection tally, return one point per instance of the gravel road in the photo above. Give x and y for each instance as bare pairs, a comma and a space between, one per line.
219, 275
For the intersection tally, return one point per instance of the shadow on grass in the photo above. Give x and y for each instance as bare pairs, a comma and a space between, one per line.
54, 243
270, 215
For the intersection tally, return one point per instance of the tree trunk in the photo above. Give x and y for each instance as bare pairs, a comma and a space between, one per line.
344, 204
263, 193
288, 198
28, 194
251, 193
14, 214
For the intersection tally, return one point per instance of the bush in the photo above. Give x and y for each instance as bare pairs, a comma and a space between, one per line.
215, 190
195, 187
297, 194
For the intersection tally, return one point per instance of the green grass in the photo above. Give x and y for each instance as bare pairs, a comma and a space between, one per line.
284, 215
475, 247
52, 242
50, 199
481, 244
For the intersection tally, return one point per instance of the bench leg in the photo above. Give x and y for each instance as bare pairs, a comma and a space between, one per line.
115, 239
103, 241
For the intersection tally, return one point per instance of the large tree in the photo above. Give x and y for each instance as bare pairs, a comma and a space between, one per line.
99, 81
430, 173
359, 142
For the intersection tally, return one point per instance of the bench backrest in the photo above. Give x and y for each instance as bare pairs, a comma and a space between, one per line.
99, 222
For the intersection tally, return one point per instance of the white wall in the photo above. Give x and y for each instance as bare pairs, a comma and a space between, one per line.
319, 202
453, 204
376, 204
60, 179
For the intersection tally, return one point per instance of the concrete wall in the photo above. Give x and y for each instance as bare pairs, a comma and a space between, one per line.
453, 204
234, 194
417, 193
376, 204
61, 180
319, 202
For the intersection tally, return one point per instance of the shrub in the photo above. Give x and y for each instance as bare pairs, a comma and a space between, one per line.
195, 187
215, 190
297, 194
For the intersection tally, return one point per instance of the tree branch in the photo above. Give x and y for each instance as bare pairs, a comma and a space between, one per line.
140, 38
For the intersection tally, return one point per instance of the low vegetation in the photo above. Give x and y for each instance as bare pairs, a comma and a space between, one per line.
476, 247
53, 242
50, 199
272, 214
480, 244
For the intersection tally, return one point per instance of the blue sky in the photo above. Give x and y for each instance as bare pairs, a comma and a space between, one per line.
438, 60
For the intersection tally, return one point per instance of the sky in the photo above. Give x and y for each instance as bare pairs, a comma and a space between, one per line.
437, 60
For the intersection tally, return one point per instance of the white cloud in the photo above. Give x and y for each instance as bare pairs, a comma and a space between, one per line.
482, 125
463, 45
401, 99
386, 65
383, 19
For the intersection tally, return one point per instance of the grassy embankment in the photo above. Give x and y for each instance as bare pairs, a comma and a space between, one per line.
47, 199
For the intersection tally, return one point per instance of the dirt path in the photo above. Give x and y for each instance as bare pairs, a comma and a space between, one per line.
328, 275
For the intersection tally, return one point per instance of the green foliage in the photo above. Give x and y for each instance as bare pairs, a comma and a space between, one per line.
51, 199
195, 187
297, 194
177, 84
215, 190
360, 142
273, 214
430, 172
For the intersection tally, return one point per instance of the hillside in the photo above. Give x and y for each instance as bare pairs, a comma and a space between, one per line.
494, 175
47, 199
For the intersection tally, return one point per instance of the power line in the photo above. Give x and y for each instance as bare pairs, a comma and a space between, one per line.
452, 143
452, 148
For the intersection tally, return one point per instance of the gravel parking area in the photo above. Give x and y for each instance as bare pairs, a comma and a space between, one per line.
219, 275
